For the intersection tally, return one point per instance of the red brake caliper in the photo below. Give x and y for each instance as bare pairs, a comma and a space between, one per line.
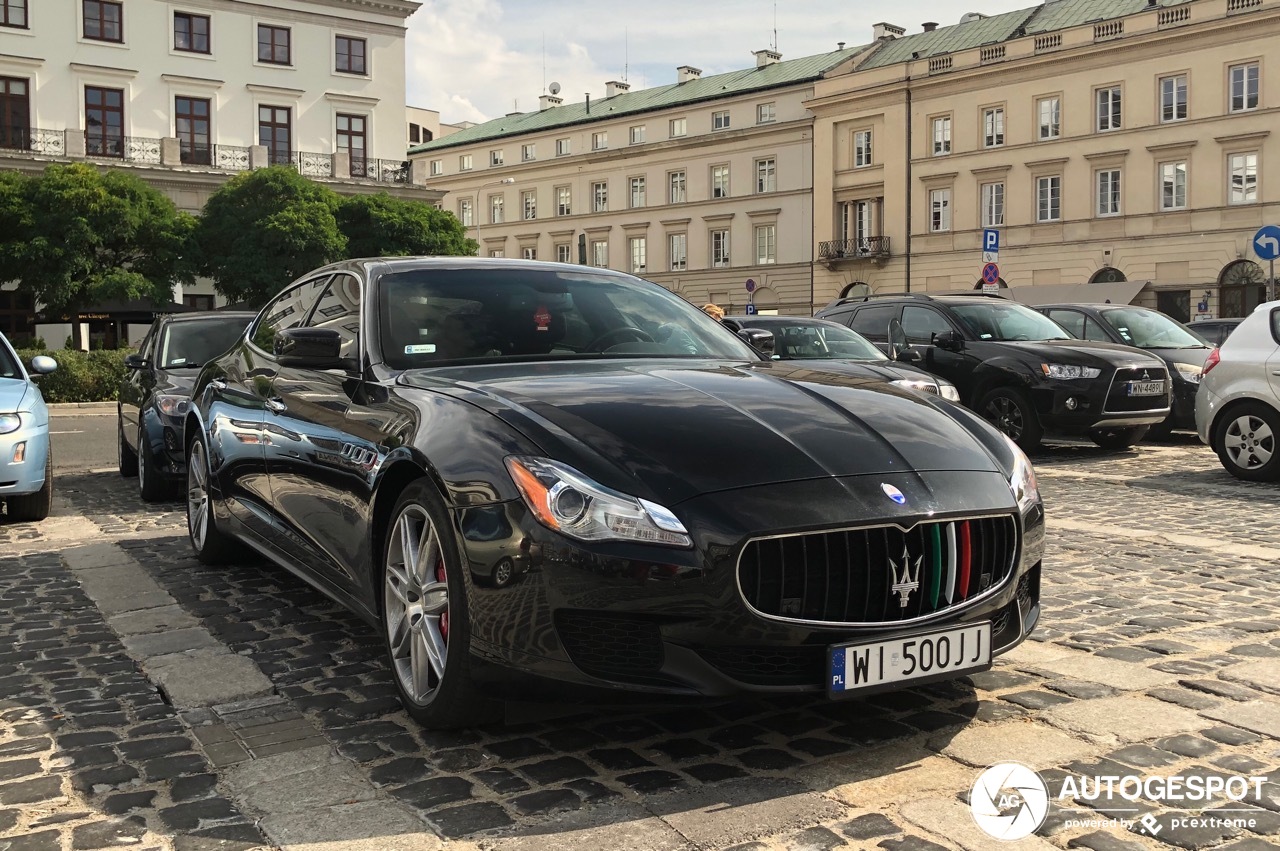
444, 616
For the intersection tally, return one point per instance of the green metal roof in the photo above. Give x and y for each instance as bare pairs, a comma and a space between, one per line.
733, 83
1062, 14
951, 39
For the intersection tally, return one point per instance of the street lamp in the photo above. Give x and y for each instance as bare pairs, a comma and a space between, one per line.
504, 181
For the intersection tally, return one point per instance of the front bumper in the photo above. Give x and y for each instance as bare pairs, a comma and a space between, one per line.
1076, 406
31, 444
633, 619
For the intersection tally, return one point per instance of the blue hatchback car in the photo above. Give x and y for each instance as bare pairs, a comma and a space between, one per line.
26, 464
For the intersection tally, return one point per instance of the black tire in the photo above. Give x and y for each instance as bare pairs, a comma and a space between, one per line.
211, 545
33, 507
1118, 438
151, 485
126, 458
416, 621
1010, 410
1250, 432
1162, 430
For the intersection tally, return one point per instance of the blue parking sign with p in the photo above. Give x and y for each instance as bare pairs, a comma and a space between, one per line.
990, 240
751, 309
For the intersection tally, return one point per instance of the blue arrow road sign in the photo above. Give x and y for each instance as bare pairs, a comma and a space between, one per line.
990, 240
1267, 243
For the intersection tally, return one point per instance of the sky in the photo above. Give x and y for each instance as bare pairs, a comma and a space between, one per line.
473, 60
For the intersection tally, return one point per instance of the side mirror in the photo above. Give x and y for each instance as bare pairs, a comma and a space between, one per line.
43, 365
759, 339
136, 361
950, 341
309, 348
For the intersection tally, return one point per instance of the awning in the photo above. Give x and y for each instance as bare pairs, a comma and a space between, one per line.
1117, 293
135, 312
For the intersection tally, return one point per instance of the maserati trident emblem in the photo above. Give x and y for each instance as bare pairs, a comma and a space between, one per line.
907, 581
894, 494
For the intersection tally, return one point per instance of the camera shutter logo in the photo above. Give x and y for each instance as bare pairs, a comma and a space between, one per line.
1009, 801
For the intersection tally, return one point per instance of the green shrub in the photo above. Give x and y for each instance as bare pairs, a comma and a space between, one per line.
81, 376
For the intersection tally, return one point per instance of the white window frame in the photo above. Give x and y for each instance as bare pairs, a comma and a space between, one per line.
600, 253
600, 140
941, 135
1108, 102
766, 244
464, 162
678, 251
637, 134
720, 188
466, 212
766, 175
437, 168
992, 195
862, 148
678, 127
564, 200
993, 127
529, 205
1049, 198
638, 249
766, 113
1242, 72
1169, 177
529, 253
564, 252
528, 152
564, 147
600, 196
1049, 127
497, 209
721, 250
1107, 188
677, 187
720, 120
637, 193
940, 210
1173, 108
496, 157
1245, 162
497, 252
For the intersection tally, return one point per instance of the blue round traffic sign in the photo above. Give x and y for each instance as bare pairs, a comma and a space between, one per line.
751, 285
991, 274
1267, 243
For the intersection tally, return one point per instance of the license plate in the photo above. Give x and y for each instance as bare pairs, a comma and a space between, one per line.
1146, 388
933, 655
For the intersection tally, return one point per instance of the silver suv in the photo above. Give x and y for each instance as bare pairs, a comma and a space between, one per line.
1238, 403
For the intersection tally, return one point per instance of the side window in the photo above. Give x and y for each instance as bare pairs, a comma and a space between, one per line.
873, 322
339, 309
148, 343
1094, 331
923, 323
1072, 320
287, 310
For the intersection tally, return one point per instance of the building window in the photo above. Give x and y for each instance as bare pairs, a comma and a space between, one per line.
437, 167
15, 114
1109, 111
600, 253
104, 122
993, 127
528, 152
352, 140
13, 13
940, 210
190, 32
678, 127
767, 175
637, 192
1173, 186
529, 253
1244, 178
1049, 111
103, 20
857, 222
563, 147
600, 141
1244, 87
273, 44
529, 205
1049, 198
564, 201
676, 183
600, 197
862, 149
564, 253
720, 120
464, 162
765, 113
495, 158
275, 133
1173, 98
497, 209
678, 251
766, 244
497, 252
637, 134
992, 205
720, 248
465, 213
639, 248
349, 55
942, 136
1107, 185
415, 133
719, 181
191, 126
197, 302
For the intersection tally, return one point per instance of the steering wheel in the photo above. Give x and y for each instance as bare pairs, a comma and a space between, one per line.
640, 336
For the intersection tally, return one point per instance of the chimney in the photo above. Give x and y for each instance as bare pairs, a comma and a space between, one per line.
766, 57
839, 45
614, 87
548, 101
884, 32
929, 26
685, 73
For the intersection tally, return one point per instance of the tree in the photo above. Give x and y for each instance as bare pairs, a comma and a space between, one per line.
74, 237
265, 228
382, 226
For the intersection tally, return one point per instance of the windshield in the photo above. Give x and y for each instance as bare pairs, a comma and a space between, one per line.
8, 365
1149, 329
814, 340
1004, 321
192, 343
496, 314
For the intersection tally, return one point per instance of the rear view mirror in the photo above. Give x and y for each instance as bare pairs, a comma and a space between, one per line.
135, 361
308, 348
43, 365
949, 341
759, 339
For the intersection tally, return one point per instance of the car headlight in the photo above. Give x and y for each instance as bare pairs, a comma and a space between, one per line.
1026, 491
568, 502
173, 406
1068, 371
1189, 373
9, 423
949, 391
923, 385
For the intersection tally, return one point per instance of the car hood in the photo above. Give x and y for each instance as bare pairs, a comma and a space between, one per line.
177, 382
12, 392
1191, 357
670, 430
1086, 352
885, 370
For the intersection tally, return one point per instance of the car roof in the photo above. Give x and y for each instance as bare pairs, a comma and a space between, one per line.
1096, 306
400, 264
777, 320
207, 314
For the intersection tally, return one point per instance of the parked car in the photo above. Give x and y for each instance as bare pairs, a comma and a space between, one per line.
155, 393
798, 338
1181, 349
1237, 407
666, 496
26, 460
1215, 331
1019, 369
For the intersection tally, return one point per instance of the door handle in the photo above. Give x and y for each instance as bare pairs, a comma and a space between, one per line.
217, 384
276, 406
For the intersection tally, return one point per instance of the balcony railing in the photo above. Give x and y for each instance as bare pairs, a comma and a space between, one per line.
383, 171
853, 249
230, 158
52, 143
133, 149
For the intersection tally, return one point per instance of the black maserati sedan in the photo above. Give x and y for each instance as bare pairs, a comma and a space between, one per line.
550, 481
152, 400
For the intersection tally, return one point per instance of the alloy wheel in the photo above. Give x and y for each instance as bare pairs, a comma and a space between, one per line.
1005, 414
416, 603
1249, 442
197, 496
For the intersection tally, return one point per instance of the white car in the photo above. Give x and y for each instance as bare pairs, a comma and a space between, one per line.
1238, 403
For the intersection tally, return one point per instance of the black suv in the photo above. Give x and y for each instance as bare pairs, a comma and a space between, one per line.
1017, 368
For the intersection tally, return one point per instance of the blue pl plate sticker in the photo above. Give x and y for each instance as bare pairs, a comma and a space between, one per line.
421, 349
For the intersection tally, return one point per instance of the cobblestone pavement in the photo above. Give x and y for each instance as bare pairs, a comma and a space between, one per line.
149, 701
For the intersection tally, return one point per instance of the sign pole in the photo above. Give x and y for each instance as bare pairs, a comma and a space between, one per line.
1271, 281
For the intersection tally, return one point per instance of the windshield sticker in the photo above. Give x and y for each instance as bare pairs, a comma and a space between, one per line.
421, 349
542, 318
